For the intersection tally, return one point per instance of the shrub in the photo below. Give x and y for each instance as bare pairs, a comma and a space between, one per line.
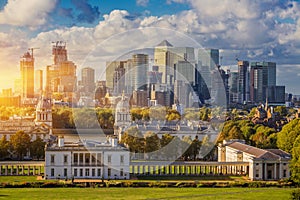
295, 195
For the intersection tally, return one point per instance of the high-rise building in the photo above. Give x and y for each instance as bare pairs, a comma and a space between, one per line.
166, 56
140, 69
119, 80
243, 81
233, 87
88, 79
208, 61
262, 77
38, 81
186, 72
27, 75
109, 72
61, 76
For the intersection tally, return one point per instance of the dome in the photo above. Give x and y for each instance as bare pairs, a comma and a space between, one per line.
123, 105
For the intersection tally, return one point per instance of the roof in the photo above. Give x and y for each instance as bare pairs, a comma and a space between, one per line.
271, 154
165, 43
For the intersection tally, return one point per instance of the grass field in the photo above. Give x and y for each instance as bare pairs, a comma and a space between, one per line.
146, 193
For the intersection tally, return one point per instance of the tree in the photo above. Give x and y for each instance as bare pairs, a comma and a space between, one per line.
134, 139
295, 162
287, 136
151, 142
4, 145
20, 142
37, 148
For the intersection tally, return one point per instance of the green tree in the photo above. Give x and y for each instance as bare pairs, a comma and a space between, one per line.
37, 148
20, 142
4, 145
287, 136
295, 162
151, 142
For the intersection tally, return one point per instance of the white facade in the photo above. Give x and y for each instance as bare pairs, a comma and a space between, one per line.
91, 160
264, 164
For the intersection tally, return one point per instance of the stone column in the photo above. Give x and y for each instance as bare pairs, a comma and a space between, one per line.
280, 170
275, 171
28, 171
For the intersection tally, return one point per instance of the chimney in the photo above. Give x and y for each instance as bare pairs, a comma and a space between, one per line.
61, 141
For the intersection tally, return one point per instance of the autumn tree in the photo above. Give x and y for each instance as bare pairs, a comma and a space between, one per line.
4, 145
152, 142
37, 148
20, 142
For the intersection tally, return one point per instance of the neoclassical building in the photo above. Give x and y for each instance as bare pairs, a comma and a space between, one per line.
86, 160
264, 164
40, 125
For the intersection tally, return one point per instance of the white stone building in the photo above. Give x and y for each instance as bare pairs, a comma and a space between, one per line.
88, 160
264, 164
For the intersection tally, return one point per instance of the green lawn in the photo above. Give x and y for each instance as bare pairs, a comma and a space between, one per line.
146, 193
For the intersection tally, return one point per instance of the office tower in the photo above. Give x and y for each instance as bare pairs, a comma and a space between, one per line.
243, 81
208, 61
59, 52
140, 68
276, 94
61, 76
186, 72
38, 81
233, 87
262, 77
166, 56
109, 72
219, 89
27, 75
154, 76
181, 93
88, 79
119, 80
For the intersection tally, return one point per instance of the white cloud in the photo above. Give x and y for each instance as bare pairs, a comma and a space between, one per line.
142, 2
26, 13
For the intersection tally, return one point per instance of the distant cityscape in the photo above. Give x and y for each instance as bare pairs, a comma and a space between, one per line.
181, 77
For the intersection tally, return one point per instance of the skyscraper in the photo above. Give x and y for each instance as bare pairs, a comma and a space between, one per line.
140, 69
27, 75
38, 81
243, 81
88, 79
208, 62
262, 77
61, 75
166, 56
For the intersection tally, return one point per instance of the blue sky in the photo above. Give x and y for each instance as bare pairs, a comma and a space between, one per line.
254, 30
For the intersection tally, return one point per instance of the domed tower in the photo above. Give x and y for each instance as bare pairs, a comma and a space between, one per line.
44, 113
122, 116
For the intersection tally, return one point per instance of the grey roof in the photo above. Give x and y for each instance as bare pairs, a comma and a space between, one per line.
165, 43
259, 153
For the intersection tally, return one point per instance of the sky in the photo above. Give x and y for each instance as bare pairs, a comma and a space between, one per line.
98, 31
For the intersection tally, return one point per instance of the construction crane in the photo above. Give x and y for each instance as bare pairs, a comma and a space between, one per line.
31, 49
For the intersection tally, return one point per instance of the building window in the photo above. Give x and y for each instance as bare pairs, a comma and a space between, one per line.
75, 158
87, 172
93, 159
93, 172
65, 172
109, 172
52, 159
284, 173
87, 158
81, 158
121, 172
98, 158
75, 172
52, 172
122, 159
99, 172
257, 173
80, 172
65, 158
109, 158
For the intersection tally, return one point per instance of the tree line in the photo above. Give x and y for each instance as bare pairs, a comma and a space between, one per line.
19, 145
